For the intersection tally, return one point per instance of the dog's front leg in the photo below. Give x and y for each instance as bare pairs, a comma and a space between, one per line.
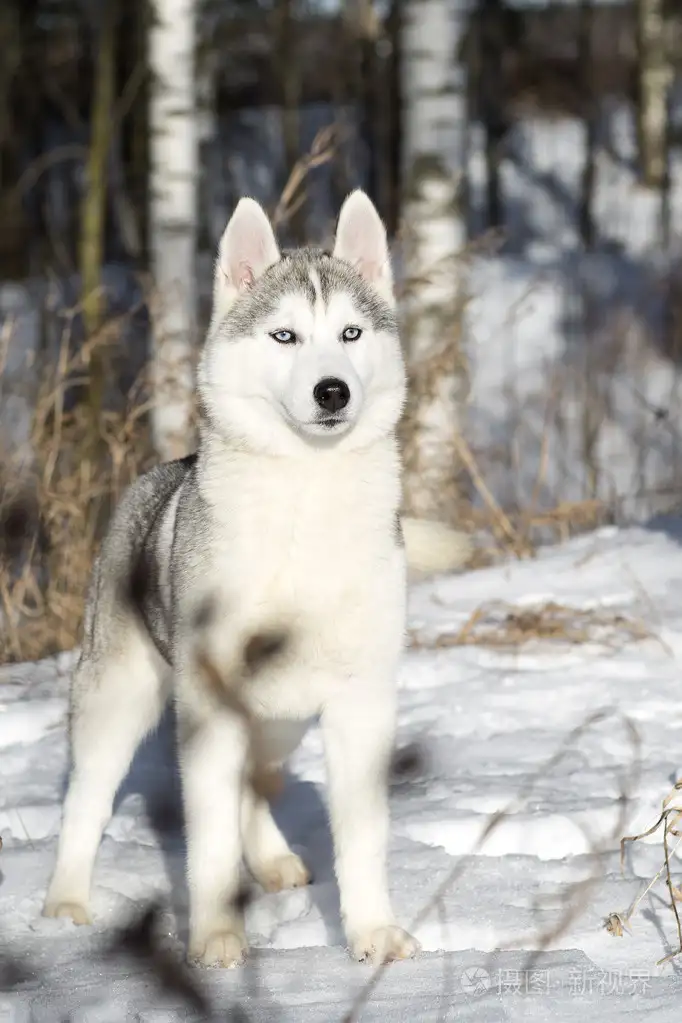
213, 752
358, 737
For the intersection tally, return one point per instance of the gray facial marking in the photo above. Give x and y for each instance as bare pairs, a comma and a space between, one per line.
291, 275
338, 275
398, 531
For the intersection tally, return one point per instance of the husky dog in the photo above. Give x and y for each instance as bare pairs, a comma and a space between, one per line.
287, 513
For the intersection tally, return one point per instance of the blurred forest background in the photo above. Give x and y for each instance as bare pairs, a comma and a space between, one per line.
526, 156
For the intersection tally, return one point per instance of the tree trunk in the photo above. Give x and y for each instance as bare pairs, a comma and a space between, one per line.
14, 234
134, 129
362, 26
492, 103
655, 75
289, 89
94, 209
591, 121
434, 138
173, 222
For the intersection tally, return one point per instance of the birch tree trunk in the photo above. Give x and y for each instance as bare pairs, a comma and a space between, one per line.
173, 221
434, 147
655, 75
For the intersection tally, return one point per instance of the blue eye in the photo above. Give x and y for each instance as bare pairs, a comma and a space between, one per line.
284, 337
351, 334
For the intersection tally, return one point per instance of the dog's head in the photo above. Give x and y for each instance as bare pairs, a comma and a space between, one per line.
303, 347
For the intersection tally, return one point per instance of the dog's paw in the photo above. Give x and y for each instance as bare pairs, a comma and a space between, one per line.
384, 945
76, 911
226, 948
283, 872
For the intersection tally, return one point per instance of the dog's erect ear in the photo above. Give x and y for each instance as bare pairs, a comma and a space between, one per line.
247, 248
361, 240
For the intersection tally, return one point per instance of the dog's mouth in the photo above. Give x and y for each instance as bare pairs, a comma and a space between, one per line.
324, 423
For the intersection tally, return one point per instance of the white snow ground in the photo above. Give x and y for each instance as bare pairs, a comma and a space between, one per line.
488, 721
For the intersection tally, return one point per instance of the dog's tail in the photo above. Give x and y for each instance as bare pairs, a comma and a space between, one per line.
432, 547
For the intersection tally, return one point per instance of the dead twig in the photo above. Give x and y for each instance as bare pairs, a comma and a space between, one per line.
670, 817
321, 152
500, 519
227, 688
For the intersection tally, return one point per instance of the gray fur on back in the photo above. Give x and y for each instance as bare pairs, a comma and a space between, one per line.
135, 555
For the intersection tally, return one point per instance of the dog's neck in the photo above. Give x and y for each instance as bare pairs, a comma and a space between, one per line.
228, 465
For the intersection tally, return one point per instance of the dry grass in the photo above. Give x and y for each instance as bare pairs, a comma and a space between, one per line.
524, 530
504, 626
52, 511
671, 819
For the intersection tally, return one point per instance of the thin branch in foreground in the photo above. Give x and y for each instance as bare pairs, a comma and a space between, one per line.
670, 817
577, 895
256, 650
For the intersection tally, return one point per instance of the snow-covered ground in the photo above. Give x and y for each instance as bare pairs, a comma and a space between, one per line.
487, 721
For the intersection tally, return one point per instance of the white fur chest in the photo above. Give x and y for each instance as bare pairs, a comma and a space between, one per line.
311, 542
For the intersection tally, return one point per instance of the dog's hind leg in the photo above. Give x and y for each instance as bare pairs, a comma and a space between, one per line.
266, 851
117, 698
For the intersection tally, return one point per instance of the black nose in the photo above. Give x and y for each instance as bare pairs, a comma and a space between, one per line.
331, 394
